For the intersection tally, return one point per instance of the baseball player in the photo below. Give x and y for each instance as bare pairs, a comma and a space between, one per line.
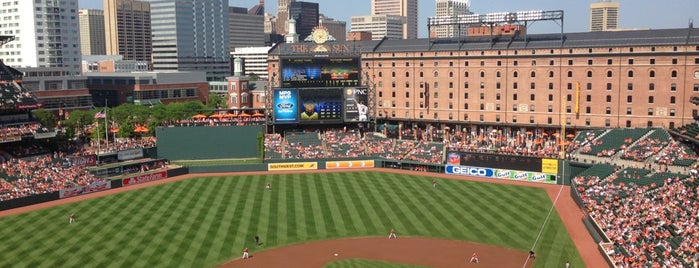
268, 186
71, 218
434, 183
474, 258
392, 234
246, 254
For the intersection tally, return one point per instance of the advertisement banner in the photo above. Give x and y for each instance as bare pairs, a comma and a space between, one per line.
549, 166
81, 190
356, 101
130, 154
349, 164
286, 106
504, 174
83, 160
144, 178
45, 135
292, 166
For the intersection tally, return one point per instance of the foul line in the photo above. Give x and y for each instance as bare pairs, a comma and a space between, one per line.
541, 230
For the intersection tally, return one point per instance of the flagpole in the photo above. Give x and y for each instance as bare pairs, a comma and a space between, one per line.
106, 126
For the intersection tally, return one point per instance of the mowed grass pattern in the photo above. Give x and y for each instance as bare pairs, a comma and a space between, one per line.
206, 221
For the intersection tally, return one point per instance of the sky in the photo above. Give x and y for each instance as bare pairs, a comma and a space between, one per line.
634, 14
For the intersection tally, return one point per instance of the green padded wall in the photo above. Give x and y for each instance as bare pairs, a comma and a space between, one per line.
208, 142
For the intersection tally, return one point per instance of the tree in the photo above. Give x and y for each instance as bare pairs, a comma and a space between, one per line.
216, 101
45, 117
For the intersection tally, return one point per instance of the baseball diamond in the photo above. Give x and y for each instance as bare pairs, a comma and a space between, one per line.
208, 220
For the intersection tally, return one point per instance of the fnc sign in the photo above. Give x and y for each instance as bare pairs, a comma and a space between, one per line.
470, 171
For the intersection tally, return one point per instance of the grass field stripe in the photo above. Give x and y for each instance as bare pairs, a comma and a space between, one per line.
293, 214
210, 223
225, 218
505, 213
395, 212
447, 213
213, 220
321, 214
315, 224
415, 199
243, 234
300, 204
229, 248
481, 224
543, 225
304, 202
369, 194
188, 215
328, 197
354, 222
357, 206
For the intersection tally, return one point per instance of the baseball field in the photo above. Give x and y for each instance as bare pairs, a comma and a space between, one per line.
207, 221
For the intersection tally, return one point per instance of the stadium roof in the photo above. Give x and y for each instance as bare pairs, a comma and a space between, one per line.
661, 37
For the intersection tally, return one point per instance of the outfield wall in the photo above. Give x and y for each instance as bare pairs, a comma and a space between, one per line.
209, 142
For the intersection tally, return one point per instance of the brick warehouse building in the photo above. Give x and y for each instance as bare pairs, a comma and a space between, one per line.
599, 79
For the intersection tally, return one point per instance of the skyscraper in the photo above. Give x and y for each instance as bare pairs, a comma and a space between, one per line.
91, 31
405, 8
46, 34
283, 16
191, 35
246, 30
451, 8
306, 16
336, 28
379, 26
604, 16
128, 29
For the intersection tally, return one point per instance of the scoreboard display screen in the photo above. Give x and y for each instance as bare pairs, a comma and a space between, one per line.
512, 162
319, 72
320, 106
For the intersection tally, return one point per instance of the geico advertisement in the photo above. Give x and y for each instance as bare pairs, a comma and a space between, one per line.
470, 171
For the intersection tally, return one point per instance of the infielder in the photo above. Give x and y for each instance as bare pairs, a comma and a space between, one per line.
392, 234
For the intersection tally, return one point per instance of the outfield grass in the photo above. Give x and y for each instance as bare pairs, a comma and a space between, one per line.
364, 263
207, 221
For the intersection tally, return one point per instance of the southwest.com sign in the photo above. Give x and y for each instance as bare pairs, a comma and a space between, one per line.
470, 171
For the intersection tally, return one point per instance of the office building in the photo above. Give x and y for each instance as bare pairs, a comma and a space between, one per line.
46, 34
91, 31
190, 35
112, 64
404, 8
451, 8
306, 16
604, 16
147, 88
379, 26
254, 61
128, 29
336, 28
246, 30
282, 26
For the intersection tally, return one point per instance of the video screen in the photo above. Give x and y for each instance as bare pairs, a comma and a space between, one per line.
320, 72
286, 106
320, 105
356, 104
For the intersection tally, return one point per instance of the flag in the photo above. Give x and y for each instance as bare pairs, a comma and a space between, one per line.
101, 114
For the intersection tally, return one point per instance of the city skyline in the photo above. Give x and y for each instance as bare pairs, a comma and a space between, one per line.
634, 14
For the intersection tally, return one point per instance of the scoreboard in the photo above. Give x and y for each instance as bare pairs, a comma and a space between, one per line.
319, 72
320, 105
